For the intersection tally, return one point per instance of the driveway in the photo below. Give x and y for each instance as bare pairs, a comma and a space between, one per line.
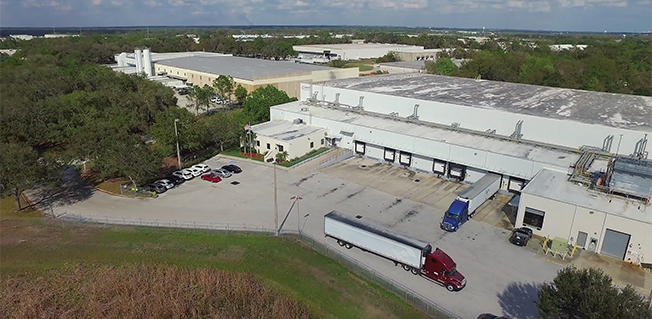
501, 278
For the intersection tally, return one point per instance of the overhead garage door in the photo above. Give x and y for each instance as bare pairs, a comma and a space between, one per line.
615, 243
390, 154
360, 147
405, 158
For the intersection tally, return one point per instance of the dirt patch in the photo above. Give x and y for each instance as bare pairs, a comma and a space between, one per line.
394, 203
406, 216
354, 194
232, 254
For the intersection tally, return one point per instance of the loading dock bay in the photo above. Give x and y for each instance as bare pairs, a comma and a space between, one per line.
500, 276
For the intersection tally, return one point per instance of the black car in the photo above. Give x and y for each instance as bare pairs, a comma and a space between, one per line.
175, 180
158, 188
232, 168
521, 236
490, 316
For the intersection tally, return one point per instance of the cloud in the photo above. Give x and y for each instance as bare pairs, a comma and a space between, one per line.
152, 3
590, 3
52, 4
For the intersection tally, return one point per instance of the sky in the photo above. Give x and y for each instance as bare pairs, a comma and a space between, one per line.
553, 15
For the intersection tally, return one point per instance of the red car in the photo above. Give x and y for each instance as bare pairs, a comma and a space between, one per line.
211, 177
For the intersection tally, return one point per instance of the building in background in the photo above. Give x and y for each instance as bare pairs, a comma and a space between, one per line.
202, 68
359, 50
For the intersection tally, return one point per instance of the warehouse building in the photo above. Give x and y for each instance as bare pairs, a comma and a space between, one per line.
251, 73
201, 68
359, 50
461, 129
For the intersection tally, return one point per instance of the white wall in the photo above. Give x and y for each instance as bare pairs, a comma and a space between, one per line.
295, 148
566, 220
554, 131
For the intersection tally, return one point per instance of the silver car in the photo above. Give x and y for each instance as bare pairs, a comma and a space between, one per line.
222, 172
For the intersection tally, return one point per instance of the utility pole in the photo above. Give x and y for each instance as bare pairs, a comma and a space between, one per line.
176, 132
275, 202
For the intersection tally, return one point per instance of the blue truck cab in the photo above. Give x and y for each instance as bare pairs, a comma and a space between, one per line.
456, 215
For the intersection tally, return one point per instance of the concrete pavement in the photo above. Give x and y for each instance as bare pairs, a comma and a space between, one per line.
502, 278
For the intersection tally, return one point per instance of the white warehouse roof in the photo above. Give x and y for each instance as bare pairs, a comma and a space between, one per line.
615, 110
285, 130
554, 185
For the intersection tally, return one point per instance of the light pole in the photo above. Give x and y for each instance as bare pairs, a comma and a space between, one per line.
176, 132
275, 202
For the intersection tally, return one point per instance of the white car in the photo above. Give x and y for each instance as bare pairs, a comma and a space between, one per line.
222, 173
202, 167
165, 182
217, 100
184, 173
194, 171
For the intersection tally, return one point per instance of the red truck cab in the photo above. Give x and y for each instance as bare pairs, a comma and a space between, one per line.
440, 268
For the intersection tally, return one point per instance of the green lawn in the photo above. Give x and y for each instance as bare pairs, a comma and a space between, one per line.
326, 287
362, 65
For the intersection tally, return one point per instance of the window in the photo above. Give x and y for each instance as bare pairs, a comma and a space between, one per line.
200, 77
280, 147
322, 141
257, 143
268, 146
533, 217
312, 144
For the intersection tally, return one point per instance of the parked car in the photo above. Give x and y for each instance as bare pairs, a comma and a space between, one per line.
184, 173
157, 188
176, 180
232, 168
521, 236
165, 182
490, 316
183, 91
217, 100
202, 167
211, 177
194, 171
222, 173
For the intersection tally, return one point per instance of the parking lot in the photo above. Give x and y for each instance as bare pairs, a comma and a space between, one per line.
502, 278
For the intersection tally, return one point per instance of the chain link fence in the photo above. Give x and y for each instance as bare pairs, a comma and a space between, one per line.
417, 300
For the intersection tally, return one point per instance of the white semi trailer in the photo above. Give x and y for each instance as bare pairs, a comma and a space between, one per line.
413, 255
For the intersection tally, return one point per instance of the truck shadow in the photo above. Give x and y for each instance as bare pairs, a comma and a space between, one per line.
519, 300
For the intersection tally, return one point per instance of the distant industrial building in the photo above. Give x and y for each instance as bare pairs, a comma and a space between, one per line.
578, 159
410, 66
359, 50
201, 68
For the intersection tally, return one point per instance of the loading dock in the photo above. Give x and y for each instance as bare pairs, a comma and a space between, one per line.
390, 154
405, 158
615, 243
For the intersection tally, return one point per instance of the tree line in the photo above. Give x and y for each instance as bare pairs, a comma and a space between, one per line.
59, 108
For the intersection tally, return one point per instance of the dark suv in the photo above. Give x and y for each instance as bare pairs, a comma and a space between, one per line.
521, 236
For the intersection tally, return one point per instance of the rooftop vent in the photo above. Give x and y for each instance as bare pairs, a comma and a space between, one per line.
298, 121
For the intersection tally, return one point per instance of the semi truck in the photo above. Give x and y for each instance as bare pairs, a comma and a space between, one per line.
467, 202
413, 255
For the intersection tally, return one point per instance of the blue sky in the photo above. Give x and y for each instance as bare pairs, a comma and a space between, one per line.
562, 15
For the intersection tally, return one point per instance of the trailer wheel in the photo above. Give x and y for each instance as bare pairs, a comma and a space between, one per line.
339, 242
406, 267
415, 271
348, 246
450, 287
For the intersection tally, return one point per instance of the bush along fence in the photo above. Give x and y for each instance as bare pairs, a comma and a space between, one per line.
414, 298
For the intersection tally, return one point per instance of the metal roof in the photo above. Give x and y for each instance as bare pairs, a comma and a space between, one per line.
241, 68
285, 130
632, 176
539, 154
616, 110
554, 185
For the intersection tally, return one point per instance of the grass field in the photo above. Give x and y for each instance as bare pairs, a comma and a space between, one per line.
33, 247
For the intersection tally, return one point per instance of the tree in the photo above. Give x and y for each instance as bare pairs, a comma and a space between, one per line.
163, 130
225, 86
240, 94
256, 105
20, 169
443, 66
389, 57
222, 129
282, 156
201, 96
589, 293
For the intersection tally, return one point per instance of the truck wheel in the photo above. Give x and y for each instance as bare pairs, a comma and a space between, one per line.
406, 267
415, 271
339, 242
450, 287
348, 246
